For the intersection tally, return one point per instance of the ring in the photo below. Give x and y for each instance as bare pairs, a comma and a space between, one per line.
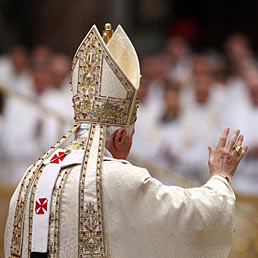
238, 149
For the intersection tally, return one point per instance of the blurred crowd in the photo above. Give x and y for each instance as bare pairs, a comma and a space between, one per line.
30, 117
186, 99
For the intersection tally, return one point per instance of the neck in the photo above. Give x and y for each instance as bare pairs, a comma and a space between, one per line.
82, 133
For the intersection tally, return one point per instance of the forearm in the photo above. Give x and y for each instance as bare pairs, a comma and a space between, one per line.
221, 185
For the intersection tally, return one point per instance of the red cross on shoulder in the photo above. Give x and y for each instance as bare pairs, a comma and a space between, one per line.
60, 157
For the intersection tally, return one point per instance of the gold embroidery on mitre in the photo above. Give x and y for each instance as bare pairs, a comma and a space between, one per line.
89, 64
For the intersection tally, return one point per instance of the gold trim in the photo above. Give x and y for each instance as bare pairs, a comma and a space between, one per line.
28, 180
89, 104
17, 237
53, 237
101, 151
81, 185
31, 208
92, 242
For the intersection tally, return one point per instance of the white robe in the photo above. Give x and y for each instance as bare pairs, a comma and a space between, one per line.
245, 117
53, 129
146, 143
144, 218
9, 78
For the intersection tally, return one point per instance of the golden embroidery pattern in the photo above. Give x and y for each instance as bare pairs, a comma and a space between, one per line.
17, 237
92, 240
77, 144
27, 182
31, 207
91, 237
89, 105
53, 238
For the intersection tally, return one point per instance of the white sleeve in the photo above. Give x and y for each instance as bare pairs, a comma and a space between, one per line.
202, 216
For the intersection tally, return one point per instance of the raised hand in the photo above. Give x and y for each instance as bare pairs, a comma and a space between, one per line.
225, 159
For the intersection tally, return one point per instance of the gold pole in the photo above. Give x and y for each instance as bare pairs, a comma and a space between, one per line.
107, 32
8, 91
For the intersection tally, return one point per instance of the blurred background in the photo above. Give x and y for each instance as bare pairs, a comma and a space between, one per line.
199, 68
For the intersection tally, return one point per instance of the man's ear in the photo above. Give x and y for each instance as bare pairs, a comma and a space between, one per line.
119, 138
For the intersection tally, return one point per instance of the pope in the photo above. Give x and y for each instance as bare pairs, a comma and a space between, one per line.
84, 199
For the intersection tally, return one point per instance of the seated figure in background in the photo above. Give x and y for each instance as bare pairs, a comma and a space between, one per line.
245, 115
14, 69
203, 116
146, 142
174, 129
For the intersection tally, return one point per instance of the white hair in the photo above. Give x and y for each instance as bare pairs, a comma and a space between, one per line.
111, 130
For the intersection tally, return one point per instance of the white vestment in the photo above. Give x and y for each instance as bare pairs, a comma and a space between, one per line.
18, 81
244, 118
143, 218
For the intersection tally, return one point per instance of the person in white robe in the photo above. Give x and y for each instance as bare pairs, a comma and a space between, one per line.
22, 130
86, 200
245, 116
146, 142
14, 72
174, 127
57, 97
203, 116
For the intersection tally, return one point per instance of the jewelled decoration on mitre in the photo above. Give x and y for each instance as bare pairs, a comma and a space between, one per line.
105, 79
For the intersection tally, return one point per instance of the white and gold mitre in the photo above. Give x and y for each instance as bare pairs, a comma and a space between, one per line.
105, 79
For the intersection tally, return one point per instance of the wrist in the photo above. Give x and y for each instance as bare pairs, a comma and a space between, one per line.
228, 178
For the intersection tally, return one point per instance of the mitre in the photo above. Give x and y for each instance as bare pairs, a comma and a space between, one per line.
105, 79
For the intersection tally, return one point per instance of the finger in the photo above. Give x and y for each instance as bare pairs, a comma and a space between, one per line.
245, 148
232, 140
211, 151
239, 143
223, 138
240, 140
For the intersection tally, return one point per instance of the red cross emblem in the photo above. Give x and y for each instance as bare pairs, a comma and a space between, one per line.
55, 158
41, 206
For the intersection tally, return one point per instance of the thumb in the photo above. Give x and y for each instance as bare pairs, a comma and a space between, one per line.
211, 150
